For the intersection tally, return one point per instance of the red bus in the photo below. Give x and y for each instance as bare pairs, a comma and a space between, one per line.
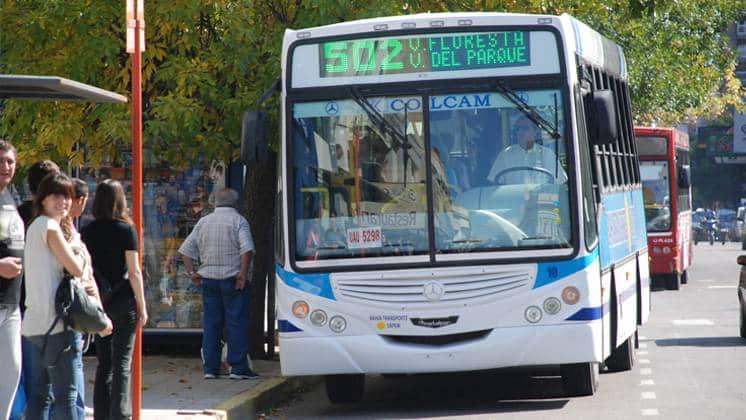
665, 174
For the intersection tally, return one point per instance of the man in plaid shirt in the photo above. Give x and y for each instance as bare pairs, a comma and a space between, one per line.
222, 243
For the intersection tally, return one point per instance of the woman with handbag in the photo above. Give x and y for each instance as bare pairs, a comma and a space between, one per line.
112, 241
54, 349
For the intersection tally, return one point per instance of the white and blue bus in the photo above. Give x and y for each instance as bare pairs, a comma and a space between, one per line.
421, 230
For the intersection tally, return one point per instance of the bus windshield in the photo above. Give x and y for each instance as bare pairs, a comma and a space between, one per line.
656, 194
366, 171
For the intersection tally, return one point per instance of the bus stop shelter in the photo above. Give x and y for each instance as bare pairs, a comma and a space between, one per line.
53, 88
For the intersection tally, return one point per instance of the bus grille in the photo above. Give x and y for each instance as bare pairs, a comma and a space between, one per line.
458, 285
438, 340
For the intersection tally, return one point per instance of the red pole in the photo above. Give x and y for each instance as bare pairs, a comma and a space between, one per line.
137, 193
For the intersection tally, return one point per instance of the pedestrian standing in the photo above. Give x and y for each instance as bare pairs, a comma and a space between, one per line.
112, 241
80, 198
53, 349
222, 243
11, 234
38, 171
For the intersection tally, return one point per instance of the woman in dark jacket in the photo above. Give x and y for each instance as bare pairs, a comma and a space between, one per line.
112, 242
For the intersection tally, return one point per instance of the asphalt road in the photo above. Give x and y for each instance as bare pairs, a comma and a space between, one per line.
691, 364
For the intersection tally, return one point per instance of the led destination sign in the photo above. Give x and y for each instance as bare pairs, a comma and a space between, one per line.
422, 54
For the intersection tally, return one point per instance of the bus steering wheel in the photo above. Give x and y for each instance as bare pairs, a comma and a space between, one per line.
547, 172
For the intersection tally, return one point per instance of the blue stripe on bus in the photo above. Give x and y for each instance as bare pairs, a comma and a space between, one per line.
315, 284
287, 326
547, 273
587, 314
590, 314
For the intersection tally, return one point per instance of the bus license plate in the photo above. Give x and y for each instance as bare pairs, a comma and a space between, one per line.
368, 237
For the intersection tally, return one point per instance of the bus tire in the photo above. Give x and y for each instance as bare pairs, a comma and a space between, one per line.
684, 277
342, 389
623, 357
579, 379
673, 281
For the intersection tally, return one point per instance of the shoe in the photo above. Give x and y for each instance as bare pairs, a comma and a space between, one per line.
248, 375
210, 376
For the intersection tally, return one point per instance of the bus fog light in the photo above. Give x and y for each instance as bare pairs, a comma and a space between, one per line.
552, 305
337, 324
300, 309
533, 314
318, 318
656, 250
666, 250
570, 295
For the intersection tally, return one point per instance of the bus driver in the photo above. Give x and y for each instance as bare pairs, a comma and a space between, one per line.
526, 162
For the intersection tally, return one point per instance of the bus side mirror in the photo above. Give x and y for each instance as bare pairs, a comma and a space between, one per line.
683, 176
254, 147
604, 128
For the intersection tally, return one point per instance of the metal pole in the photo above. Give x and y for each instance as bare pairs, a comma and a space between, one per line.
137, 191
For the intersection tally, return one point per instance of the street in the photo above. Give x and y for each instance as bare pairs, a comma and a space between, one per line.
690, 364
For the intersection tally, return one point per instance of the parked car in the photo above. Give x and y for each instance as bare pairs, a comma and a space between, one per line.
741, 295
741, 225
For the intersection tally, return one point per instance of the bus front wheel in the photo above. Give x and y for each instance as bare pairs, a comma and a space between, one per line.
579, 379
344, 388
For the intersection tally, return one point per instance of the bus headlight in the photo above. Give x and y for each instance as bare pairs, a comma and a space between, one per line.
656, 250
552, 305
570, 295
318, 318
337, 324
533, 314
300, 309
666, 250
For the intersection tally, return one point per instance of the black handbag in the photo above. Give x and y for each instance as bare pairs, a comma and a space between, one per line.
76, 308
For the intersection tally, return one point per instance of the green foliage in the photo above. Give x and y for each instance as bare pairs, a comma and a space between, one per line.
207, 62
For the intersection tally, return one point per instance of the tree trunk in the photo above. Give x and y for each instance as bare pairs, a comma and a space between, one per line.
259, 204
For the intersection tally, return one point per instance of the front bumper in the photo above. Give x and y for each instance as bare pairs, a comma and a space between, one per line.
504, 347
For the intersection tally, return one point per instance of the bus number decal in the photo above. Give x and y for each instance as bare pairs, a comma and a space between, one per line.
393, 48
368, 237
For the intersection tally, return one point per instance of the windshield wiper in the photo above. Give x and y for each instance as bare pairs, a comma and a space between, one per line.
378, 119
467, 241
534, 116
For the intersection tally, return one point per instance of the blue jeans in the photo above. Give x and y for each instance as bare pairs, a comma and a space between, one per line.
27, 372
224, 306
54, 375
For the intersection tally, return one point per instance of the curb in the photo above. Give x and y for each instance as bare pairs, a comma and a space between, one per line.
246, 404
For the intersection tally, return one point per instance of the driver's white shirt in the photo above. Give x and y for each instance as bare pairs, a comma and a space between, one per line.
516, 156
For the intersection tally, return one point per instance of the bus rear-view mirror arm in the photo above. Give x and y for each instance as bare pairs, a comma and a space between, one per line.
254, 137
254, 144
603, 125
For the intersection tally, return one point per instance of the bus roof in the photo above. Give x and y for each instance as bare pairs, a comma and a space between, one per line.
591, 46
54, 88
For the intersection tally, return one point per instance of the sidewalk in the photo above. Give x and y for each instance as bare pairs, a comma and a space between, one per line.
173, 388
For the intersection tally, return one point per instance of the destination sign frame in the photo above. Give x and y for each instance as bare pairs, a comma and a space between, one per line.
544, 56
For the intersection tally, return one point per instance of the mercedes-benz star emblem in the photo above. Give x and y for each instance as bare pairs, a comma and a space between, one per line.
433, 291
332, 108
